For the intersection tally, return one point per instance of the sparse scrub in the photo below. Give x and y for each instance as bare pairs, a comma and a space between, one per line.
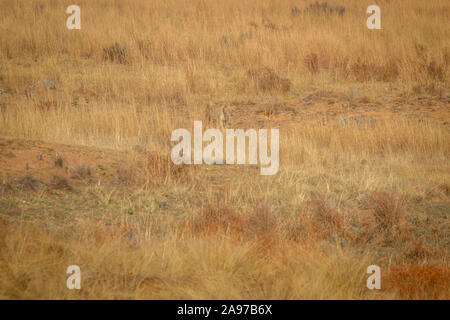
61, 183
115, 53
29, 183
266, 80
81, 172
390, 223
324, 8
312, 62
388, 210
369, 71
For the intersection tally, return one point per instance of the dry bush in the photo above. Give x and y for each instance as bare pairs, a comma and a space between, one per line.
312, 62
266, 80
59, 182
59, 161
436, 70
145, 48
387, 224
263, 223
216, 219
428, 66
260, 223
7, 186
416, 251
419, 281
363, 70
388, 209
445, 188
46, 103
29, 183
115, 53
326, 220
127, 174
81, 171
324, 8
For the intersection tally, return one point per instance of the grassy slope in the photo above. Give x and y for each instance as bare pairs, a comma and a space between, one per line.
346, 196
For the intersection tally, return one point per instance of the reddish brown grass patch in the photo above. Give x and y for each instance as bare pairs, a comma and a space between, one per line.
263, 224
217, 219
387, 223
420, 282
326, 220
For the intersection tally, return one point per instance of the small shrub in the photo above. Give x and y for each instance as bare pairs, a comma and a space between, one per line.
145, 48
262, 222
430, 67
323, 8
312, 62
418, 251
214, 219
127, 175
81, 172
445, 188
388, 210
269, 24
6, 186
115, 53
60, 183
326, 220
267, 80
295, 11
59, 162
29, 183
46, 103
435, 70
363, 70
387, 224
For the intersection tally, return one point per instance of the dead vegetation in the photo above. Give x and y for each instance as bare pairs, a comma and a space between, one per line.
420, 281
81, 172
364, 149
388, 211
266, 80
115, 53
323, 8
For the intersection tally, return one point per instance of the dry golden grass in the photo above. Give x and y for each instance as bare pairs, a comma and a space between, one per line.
364, 150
